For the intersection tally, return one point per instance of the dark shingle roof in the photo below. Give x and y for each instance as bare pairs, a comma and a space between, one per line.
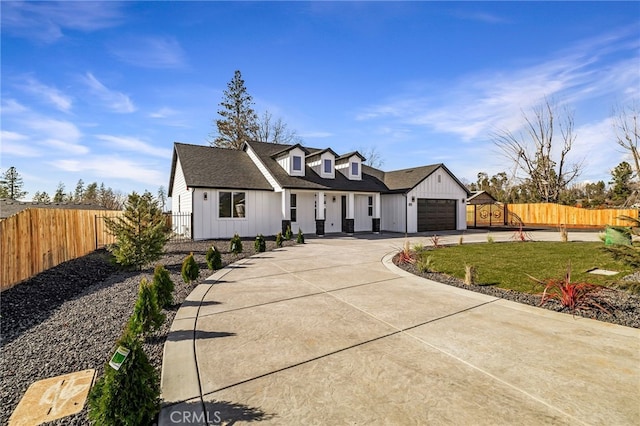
312, 180
210, 167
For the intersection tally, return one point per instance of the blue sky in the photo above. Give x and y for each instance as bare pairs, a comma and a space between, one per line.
100, 91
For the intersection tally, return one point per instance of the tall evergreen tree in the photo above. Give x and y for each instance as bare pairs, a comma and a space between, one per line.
41, 197
60, 195
621, 181
11, 185
238, 121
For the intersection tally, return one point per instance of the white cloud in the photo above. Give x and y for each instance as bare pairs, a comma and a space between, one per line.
17, 144
318, 134
50, 94
114, 100
47, 21
68, 147
151, 52
478, 104
163, 112
11, 106
136, 145
113, 167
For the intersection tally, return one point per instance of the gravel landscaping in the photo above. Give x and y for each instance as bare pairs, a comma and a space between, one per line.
68, 318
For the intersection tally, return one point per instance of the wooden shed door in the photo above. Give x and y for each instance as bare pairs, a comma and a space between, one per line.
436, 215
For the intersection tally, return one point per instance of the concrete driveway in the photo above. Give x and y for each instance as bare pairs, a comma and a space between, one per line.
330, 332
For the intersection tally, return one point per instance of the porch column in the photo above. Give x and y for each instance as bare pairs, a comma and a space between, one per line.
320, 214
286, 210
375, 225
351, 213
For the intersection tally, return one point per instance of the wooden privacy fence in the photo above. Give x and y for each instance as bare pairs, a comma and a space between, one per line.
546, 214
38, 239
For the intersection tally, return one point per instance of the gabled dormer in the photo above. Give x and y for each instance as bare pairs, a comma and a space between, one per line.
323, 163
350, 165
292, 159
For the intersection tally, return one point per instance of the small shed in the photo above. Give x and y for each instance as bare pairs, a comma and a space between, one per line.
484, 210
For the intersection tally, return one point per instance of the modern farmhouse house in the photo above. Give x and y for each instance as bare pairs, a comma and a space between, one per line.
266, 187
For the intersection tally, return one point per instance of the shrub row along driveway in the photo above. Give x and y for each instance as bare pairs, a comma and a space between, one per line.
332, 333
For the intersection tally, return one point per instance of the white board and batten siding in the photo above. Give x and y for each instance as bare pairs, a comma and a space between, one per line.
439, 185
180, 196
262, 209
393, 212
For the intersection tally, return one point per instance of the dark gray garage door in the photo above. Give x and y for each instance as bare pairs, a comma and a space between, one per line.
436, 215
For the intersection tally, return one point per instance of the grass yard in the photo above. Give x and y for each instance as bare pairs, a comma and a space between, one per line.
506, 265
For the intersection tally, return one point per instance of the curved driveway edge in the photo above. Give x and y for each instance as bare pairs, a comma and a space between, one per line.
332, 332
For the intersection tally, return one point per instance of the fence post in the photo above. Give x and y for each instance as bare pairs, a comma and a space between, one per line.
95, 229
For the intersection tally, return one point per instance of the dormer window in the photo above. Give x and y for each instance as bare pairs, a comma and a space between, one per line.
327, 166
297, 163
354, 169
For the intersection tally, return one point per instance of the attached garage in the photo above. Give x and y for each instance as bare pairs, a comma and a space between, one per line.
436, 214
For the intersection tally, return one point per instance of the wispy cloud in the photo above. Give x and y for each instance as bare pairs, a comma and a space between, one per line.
49, 94
11, 106
151, 52
163, 112
113, 167
489, 18
114, 100
47, 22
17, 144
480, 103
133, 144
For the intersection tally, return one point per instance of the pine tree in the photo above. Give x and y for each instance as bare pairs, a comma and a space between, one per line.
621, 181
238, 120
141, 232
59, 196
41, 197
11, 185
190, 269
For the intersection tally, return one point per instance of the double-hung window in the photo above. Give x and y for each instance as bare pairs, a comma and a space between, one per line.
354, 169
231, 204
370, 206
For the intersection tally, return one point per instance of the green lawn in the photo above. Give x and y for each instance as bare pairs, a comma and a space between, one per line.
506, 265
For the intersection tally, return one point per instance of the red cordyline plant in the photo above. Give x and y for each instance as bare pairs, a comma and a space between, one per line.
574, 296
406, 255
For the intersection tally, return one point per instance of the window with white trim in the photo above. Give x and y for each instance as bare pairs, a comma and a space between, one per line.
231, 204
297, 163
327, 166
354, 169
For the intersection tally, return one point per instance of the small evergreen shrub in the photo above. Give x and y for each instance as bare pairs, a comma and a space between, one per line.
279, 239
146, 313
300, 237
130, 395
260, 244
236, 244
490, 239
190, 269
214, 258
163, 286
288, 234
